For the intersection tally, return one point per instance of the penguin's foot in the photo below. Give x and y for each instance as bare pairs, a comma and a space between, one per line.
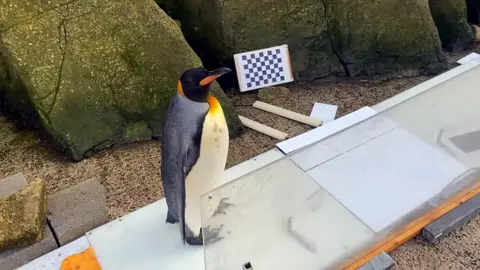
212, 235
222, 206
171, 219
194, 240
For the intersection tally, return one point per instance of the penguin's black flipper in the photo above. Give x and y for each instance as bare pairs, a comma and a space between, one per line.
181, 209
180, 150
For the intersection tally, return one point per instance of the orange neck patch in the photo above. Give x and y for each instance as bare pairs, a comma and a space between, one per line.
180, 88
215, 106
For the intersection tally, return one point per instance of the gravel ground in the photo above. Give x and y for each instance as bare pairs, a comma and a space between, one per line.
131, 174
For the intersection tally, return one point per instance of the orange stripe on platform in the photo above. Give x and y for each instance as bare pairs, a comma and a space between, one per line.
85, 260
413, 229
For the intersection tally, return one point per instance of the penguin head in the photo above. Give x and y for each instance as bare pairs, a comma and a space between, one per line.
194, 84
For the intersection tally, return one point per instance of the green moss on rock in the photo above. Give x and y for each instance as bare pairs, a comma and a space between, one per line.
137, 131
450, 17
89, 80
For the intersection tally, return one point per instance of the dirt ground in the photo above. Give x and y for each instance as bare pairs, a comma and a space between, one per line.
130, 174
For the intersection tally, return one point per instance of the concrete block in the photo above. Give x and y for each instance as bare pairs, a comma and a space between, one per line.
13, 258
452, 220
11, 184
381, 262
23, 216
17, 257
76, 210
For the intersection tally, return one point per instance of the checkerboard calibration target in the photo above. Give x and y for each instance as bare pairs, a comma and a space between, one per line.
263, 68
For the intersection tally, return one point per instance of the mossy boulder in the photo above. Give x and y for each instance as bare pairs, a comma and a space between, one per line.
450, 17
325, 37
93, 74
23, 216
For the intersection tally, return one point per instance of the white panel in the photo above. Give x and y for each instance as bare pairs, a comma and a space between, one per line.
384, 179
325, 130
342, 142
53, 260
142, 240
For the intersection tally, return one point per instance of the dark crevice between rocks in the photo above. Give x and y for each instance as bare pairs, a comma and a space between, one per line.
62, 36
332, 43
55, 237
473, 12
208, 56
452, 24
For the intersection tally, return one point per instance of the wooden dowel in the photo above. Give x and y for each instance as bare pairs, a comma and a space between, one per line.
288, 114
263, 128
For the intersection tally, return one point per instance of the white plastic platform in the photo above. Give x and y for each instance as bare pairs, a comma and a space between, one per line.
142, 240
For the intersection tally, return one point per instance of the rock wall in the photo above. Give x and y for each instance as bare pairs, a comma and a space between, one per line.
352, 37
91, 73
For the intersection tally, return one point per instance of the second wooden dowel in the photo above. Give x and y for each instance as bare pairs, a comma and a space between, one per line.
277, 134
287, 114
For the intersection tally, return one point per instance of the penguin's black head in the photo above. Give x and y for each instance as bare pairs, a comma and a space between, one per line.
194, 84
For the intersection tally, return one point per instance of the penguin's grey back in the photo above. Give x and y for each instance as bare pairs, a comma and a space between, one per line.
180, 149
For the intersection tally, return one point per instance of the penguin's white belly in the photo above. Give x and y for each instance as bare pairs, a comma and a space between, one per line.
207, 173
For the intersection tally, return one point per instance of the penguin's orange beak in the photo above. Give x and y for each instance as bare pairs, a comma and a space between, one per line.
213, 75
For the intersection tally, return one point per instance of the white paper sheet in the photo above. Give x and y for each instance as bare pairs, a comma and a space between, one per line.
324, 112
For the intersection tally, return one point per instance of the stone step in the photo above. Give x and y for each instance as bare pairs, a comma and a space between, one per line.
76, 210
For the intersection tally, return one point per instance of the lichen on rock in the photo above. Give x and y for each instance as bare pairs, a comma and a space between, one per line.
89, 70
23, 216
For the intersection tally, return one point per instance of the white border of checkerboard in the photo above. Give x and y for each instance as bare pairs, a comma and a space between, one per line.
287, 66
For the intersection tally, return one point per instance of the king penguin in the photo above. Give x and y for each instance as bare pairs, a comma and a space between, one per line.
194, 146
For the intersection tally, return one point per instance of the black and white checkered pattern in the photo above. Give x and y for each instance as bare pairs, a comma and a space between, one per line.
263, 68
